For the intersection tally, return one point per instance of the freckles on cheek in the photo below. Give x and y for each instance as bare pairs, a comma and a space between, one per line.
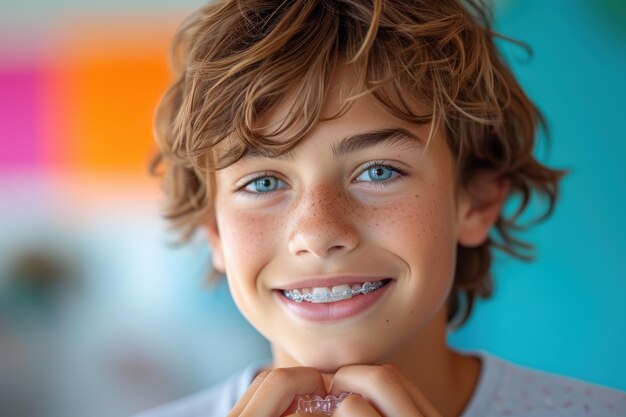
249, 235
415, 226
404, 218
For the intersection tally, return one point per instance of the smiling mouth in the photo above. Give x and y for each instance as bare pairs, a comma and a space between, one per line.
332, 294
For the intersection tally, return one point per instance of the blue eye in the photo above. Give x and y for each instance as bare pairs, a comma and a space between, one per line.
378, 173
264, 185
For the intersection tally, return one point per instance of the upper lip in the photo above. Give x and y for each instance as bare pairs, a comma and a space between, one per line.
330, 281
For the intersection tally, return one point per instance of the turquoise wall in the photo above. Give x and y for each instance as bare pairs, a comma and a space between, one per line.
566, 312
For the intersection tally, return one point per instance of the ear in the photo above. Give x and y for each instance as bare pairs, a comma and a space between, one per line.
217, 254
480, 206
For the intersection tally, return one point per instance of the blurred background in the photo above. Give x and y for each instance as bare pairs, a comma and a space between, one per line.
100, 316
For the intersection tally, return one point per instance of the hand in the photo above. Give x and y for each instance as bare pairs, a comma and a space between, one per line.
272, 393
385, 392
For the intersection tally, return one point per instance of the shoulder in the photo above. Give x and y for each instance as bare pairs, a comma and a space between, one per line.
215, 401
507, 389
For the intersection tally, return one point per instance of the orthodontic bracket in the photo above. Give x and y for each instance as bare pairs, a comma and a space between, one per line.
366, 288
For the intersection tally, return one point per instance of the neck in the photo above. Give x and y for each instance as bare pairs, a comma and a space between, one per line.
445, 377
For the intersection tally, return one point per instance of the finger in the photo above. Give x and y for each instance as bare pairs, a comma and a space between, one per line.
419, 399
276, 390
379, 385
245, 398
353, 406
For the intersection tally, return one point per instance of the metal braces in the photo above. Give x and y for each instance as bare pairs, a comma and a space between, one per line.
298, 297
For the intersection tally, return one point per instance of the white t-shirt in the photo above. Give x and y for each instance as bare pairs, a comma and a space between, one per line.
503, 389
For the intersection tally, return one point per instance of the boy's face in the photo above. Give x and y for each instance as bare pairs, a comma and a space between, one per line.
343, 209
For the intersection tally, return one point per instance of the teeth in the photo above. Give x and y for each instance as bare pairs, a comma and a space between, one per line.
321, 292
336, 293
340, 289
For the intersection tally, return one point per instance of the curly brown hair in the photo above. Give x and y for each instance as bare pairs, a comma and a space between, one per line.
234, 60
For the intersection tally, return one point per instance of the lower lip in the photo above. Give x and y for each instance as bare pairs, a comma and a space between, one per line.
337, 310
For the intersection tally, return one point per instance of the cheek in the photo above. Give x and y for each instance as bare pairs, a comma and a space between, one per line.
419, 230
248, 241
416, 226
248, 244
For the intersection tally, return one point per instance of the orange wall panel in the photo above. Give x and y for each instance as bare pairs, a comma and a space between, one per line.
116, 96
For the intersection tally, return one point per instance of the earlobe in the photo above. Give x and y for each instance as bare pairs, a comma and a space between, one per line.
484, 198
217, 255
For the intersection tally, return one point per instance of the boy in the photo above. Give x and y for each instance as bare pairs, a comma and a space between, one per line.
348, 160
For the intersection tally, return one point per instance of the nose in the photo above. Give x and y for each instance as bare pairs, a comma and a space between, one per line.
323, 224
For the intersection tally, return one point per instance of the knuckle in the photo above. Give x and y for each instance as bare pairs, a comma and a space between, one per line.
280, 376
393, 368
383, 375
261, 376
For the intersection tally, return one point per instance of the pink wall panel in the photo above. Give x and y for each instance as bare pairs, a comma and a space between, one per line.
20, 110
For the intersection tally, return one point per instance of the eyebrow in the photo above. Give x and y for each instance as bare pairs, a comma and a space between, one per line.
399, 138
393, 137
